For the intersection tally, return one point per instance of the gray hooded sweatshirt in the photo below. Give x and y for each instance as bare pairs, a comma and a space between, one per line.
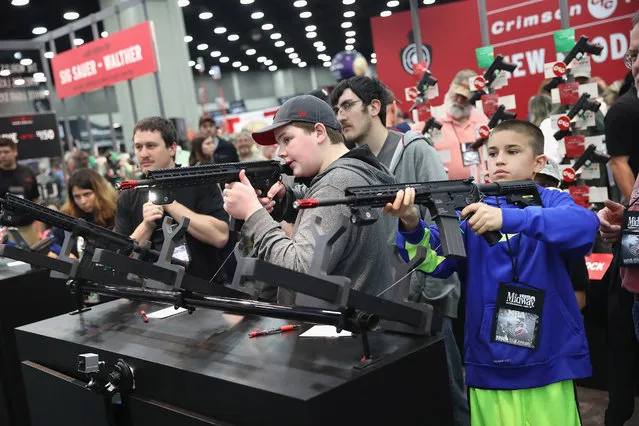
356, 253
411, 158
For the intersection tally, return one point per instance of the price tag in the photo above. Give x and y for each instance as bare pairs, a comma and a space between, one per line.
489, 104
597, 194
575, 146
591, 172
584, 120
500, 81
580, 66
568, 93
580, 195
477, 83
554, 69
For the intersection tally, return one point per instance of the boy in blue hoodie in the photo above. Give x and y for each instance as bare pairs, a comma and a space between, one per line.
524, 340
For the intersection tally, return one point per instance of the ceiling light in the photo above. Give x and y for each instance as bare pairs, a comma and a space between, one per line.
349, 14
374, 61
299, 3
267, 27
26, 62
325, 57
310, 28
198, 67
293, 55
429, 1
296, 60
392, 3
272, 68
350, 41
224, 59
216, 53
39, 30
373, 55
279, 43
244, 68
48, 55
236, 64
261, 58
251, 52
350, 33
219, 30
321, 48
276, 36
312, 34
104, 34
188, 39
327, 64
5, 73
269, 62
305, 15
302, 64
257, 15
349, 47
202, 46
78, 42
206, 15
347, 2
191, 63
71, 16
320, 56
39, 77
233, 37
211, 72
183, 3
246, 1
385, 13
18, 82
289, 50
17, 55
318, 43
347, 24
20, 2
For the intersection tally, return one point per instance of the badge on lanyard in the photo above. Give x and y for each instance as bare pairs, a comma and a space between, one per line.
181, 253
629, 246
517, 318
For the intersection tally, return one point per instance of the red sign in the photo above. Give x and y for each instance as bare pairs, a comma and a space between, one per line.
563, 122
419, 69
568, 93
598, 264
569, 174
559, 68
479, 82
575, 145
120, 56
423, 112
580, 195
484, 132
410, 93
489, 104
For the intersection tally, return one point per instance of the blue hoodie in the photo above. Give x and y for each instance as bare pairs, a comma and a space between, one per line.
542, 239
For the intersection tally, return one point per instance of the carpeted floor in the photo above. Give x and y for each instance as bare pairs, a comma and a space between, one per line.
593, 403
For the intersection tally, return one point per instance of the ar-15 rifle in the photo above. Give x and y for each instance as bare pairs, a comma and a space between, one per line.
442, 199
582, 46
491, 74
583, 104
500, 115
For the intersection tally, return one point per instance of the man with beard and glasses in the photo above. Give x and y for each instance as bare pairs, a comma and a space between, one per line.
459, 126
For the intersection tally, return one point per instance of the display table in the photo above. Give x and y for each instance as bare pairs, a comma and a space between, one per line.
27, 296
203, 369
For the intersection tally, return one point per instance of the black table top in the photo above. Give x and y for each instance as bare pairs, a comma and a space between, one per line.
215, 344
10, 268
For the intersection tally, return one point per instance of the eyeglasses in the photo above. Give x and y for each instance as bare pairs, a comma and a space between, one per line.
629, 59
345, 107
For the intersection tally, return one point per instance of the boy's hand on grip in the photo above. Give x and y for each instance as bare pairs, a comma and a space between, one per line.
275, 193
482, 218
404, 207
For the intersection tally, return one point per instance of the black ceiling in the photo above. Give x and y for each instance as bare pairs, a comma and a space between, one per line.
327, 16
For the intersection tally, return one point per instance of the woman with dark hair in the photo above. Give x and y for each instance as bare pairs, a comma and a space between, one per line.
201, 150
91, 198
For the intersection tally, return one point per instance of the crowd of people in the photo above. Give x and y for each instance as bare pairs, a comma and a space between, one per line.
513, 309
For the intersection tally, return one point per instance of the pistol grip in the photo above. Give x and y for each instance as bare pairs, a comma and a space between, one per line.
492, 237
235, 225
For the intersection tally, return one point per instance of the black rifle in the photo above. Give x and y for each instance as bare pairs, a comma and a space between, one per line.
442, 199
583, 104
582, 46
491, 74
500, 115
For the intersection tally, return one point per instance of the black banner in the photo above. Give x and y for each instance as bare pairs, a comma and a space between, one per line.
37, 135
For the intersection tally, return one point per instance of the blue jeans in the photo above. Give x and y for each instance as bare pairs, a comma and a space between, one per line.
461, 411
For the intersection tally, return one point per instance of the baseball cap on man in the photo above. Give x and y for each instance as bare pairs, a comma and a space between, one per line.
207, 119
305, 108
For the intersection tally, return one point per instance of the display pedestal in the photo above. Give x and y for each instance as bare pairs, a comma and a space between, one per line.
203, 369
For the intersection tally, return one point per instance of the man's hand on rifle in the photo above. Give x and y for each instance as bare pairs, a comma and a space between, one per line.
151, 213
610, 219
482, 217
404, 208
275, 194
240, 199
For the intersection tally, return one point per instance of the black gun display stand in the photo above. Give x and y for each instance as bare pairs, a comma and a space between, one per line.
203, 369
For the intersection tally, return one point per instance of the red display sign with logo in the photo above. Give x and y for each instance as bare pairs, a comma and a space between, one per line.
522, 31
598, 264
121, 56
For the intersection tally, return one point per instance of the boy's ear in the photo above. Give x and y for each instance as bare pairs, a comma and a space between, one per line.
540, 162
320, 132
